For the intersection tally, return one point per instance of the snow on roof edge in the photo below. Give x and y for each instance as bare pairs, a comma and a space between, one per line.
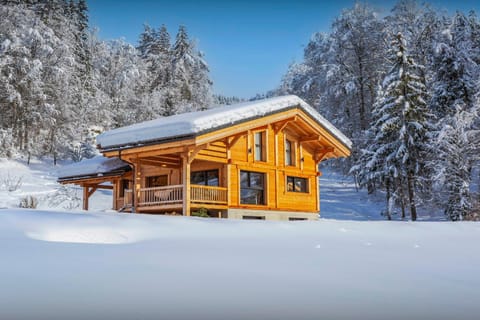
97, 165
190, 124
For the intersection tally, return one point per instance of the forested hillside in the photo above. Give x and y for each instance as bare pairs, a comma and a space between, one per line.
405, 88
60, 85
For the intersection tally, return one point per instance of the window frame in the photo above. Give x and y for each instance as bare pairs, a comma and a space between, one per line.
294, 178
292, 153
262, 155
263, 190
205, 177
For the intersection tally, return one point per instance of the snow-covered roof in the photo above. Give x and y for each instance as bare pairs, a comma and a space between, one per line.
194, 123
96, 166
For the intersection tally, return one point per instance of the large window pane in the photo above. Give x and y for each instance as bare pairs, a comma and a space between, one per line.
256, 180
197, 177
252, 187
205, 178
212, 178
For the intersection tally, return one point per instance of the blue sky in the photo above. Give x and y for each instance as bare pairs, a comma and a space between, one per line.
248, 44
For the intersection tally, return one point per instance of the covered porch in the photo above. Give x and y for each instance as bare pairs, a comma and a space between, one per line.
178, 180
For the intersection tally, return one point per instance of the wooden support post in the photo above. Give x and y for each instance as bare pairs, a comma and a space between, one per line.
87, 192
186, 184
115, 194
136, 187
85, 198
276, 155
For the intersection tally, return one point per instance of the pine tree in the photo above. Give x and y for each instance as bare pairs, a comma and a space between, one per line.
456, 152
400, 129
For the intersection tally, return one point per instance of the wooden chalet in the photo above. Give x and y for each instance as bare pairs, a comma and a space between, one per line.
254, 160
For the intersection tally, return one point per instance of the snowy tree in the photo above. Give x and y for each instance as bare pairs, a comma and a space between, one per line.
357, 43
456, 152
394, 157
455, 77
34, 62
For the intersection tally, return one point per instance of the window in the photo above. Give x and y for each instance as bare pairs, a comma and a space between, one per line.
296, 219
296, 184
289, 154
259, 141
157, 181
252, 187
253, 217
205, 178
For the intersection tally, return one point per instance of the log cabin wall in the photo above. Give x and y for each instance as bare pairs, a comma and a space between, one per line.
273, 165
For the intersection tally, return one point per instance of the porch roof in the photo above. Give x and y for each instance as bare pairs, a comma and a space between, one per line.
189, 125
98, 167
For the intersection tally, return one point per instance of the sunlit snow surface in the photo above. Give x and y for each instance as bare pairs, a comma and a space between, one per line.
77, 265
117, 266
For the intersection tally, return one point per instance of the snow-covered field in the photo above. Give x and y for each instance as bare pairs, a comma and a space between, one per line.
105, 265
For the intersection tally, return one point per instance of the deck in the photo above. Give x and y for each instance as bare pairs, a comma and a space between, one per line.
171, 198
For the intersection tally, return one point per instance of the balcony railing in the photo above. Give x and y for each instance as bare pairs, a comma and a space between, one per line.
208, 194
160, 195
170, 195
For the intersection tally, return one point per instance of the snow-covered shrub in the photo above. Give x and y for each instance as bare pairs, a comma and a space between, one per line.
65, 197
29, 202
11, 183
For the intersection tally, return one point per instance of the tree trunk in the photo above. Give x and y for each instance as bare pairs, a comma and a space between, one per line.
411, 195
402, 196
389, 215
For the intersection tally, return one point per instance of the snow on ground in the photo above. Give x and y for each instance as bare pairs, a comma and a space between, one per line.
39, 180
341, 200
108, 265
120, 266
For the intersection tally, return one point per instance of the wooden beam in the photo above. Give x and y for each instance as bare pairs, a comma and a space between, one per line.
160, 151
155, 148
104, 187
167, 158
87, 192
91, 191
234, 139
186, 184
85, 198
322, 153
159, 163
310, 138
211, 158
281, 125
191, 154
136, 187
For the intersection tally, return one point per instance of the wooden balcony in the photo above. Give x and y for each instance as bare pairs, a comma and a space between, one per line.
171, 197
